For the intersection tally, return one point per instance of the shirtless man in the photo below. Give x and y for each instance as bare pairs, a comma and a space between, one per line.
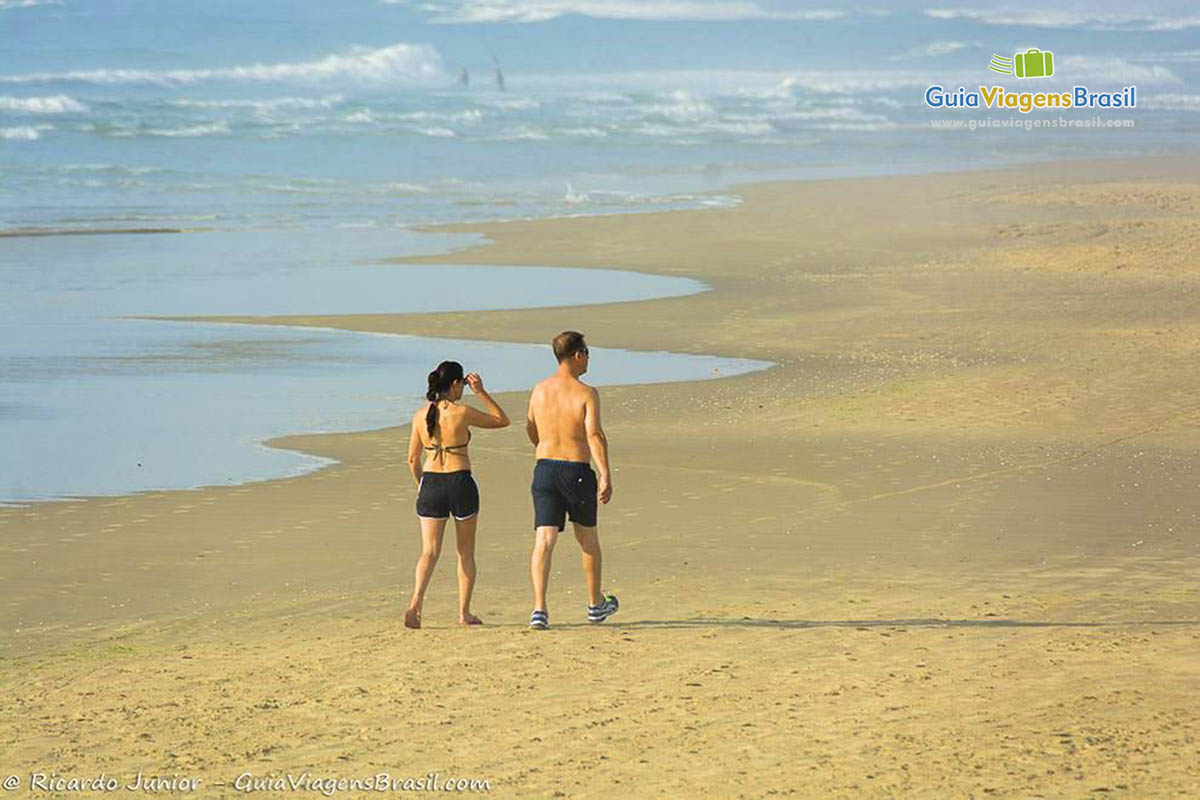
564, 425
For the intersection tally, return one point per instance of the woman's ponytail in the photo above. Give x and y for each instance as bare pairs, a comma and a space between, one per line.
440, 381
432, 396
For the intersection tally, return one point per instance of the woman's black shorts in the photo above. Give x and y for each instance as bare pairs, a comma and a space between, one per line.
562, 488
445, 493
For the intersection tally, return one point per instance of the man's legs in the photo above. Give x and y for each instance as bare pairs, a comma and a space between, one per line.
589, 546
539, 563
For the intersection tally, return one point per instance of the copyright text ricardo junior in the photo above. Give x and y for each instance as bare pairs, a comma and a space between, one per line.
244, 783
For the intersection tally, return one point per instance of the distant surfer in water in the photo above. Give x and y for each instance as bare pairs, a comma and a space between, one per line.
445, 486
499, 74
564, 425
464, 79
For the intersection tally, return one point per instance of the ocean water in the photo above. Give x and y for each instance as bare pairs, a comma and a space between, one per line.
96, 399
269, 114
296, 145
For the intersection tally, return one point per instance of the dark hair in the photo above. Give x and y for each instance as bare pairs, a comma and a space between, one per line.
567, 344
440, 379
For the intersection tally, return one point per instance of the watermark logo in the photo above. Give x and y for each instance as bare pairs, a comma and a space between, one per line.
1033, 63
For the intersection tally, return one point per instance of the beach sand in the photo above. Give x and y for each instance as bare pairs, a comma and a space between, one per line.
947, 546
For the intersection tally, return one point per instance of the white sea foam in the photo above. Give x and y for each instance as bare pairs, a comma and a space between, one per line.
574, 198
586, 133
511, 103
606, 98
24, 133
291, 188
1179, 56
1171, 102
363, 115
742, 128
523, 133
476, 11
840, 112
214, 129
782, 88
682, 107
469, 116
1117, 70
1068, 18
407, 62
54, 104
264, 105
748, 83
934, 49
6, 5
116, 169
438, 133
862, 127
402, 188
655, 130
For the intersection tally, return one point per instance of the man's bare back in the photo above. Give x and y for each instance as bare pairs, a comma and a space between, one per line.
564, 425
558, 411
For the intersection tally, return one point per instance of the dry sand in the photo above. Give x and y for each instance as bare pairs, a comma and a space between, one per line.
947, 547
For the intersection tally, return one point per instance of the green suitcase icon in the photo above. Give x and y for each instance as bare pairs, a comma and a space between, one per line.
1034, 63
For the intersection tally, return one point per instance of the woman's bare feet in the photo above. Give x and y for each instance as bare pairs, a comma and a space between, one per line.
469, 619
412, 618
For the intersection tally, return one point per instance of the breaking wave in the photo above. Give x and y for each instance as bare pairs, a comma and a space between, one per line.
408, 62
56, 104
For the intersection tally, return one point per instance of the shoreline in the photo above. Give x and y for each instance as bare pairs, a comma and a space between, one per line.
275, 381
501, 245
945, 546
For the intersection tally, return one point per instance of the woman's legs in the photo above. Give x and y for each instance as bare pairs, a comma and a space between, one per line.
431, 548
464, 530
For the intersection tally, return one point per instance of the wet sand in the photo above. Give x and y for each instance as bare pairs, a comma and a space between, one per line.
948, 546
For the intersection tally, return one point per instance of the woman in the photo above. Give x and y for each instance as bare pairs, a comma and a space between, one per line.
441, 429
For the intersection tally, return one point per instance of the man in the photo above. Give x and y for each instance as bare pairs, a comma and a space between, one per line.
564, 425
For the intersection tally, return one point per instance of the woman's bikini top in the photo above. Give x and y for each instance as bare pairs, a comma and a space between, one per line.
439, 452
